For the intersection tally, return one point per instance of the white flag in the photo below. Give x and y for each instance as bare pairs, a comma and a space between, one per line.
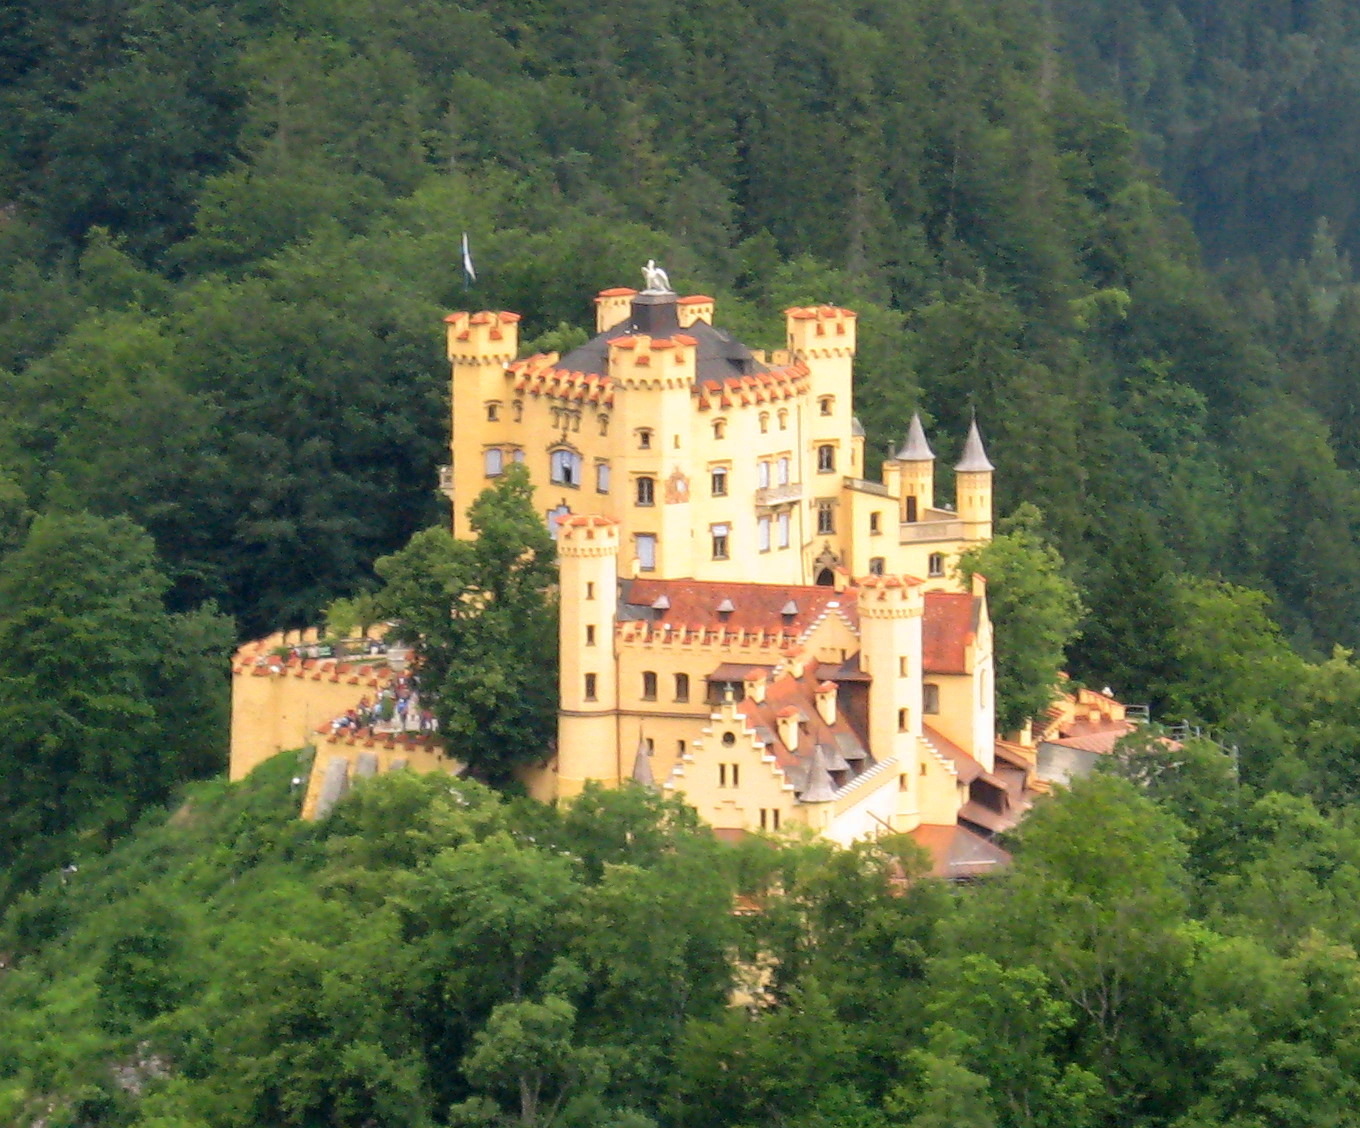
468, 273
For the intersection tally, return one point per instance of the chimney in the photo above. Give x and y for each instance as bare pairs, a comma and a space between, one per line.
787, 720
755, 686
826, 702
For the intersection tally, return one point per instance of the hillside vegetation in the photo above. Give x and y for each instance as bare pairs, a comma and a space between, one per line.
433, 954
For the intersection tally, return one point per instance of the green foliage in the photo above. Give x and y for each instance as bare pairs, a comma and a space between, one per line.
1034, 609
107, 700
486, 627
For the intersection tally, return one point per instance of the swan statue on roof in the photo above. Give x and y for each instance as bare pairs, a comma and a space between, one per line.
655, 279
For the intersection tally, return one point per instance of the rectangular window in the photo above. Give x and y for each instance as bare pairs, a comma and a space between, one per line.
718, 481
649, 685
902, 669
826, 459
564, 468
911, 510
935, 564
762, 475
930, 699
602, 477
644, 438
722, 775
682, 687
590, 636
646, 551
493, 412
783, 520
876, 565
763, 532
875, 523
826, 517
736, 774
495, 460
720, 534
590, 687
782, 471
590, 590
903, 724
646, 491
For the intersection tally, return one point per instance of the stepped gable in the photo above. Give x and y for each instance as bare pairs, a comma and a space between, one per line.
948, 627
699, 606
844, 750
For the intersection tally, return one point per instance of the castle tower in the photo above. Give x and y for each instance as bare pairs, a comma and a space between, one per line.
890, 614
654, 369
916, 473
824, 339
973, 488
587, 719
480, 346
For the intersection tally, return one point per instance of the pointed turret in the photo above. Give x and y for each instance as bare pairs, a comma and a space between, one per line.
642, 765
912, 475
974, 459
973, 487
915, 449
819, 787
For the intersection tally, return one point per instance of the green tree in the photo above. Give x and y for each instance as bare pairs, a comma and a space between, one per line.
486, 627
103, 700
1034, 609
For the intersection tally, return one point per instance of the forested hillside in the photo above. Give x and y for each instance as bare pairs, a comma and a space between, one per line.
435, 955
227, 234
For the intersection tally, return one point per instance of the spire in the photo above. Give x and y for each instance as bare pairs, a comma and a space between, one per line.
915, 449
819, 788
974, 456
642, 766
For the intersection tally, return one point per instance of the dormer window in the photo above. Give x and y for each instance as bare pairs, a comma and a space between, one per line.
644, 438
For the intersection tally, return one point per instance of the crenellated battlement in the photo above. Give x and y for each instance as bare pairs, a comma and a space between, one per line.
821, 331
487, 337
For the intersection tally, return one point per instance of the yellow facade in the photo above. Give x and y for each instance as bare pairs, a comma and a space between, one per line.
747, 622
717, 462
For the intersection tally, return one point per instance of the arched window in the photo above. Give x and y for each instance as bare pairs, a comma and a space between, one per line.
764, 421
494, 461
682, 687
646, 491
719, 428
518, 456
649, 685
783, 420
565, 468
825, 404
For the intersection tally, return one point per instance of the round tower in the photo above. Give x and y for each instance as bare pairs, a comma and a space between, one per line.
973, 488
916, 473
890, 618
587, 737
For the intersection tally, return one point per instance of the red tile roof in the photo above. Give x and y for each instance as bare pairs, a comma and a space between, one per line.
947, 631
756, 607
787, 696
956, 852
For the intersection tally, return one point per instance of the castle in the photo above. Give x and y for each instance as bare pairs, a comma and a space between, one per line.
746, 620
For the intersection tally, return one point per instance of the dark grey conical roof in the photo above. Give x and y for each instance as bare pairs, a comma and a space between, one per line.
974, 455
915, 449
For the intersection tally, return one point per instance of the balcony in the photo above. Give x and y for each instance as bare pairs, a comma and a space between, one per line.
920, 532
779, 495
